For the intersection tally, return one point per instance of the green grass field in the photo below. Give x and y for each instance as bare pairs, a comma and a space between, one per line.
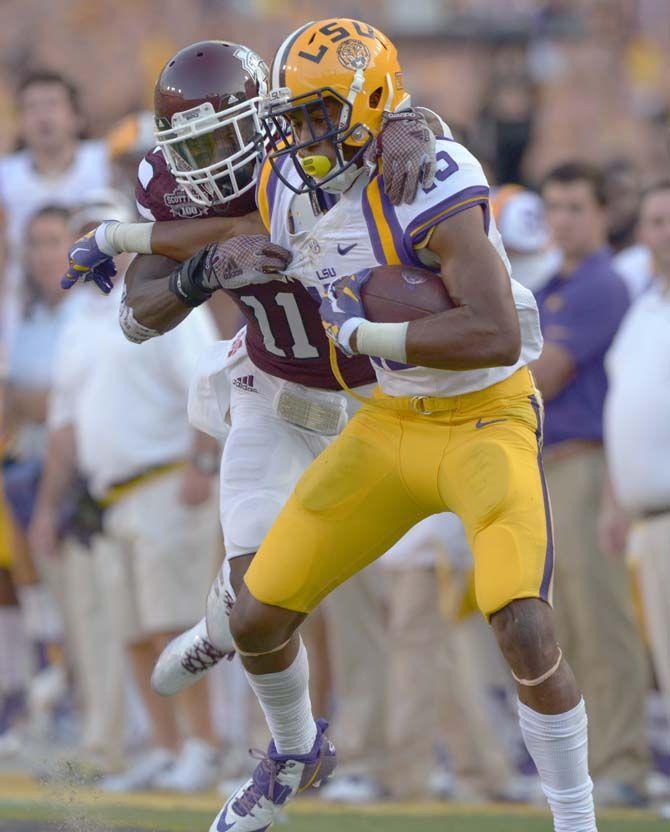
25, 807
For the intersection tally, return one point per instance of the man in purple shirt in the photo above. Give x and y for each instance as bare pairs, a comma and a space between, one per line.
580, 311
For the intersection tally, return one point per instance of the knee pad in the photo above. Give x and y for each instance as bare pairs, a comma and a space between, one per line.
246, 519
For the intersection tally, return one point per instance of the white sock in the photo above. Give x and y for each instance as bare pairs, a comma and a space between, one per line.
558, 745
284, 698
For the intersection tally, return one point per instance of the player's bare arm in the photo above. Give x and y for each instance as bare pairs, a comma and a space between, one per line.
148, 295
180, 239
483, 328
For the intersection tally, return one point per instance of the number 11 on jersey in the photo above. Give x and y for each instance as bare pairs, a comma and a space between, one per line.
301, 346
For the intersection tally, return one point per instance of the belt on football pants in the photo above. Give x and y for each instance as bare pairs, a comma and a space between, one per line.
121, 489
425, 405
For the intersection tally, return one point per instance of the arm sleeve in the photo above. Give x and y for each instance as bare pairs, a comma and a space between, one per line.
586, 323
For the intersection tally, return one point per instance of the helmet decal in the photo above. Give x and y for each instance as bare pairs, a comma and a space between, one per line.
332, 81
353, 54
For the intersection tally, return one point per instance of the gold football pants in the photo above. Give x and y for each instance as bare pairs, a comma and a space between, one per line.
400, 460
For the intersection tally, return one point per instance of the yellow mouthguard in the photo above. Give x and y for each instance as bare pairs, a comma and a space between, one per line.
316, 166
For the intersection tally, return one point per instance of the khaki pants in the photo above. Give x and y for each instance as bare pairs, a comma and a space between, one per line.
93, 639
162, 553
650, 546
595, 623
436, 692
359, 648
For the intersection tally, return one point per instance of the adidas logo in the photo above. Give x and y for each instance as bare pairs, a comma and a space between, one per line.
245, 383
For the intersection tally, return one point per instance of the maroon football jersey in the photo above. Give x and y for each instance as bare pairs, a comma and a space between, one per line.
160, 198
285, 336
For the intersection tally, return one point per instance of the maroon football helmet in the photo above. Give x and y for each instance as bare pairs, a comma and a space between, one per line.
206, 110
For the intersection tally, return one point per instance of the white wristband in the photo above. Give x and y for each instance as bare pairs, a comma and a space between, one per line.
115, 237
383, 340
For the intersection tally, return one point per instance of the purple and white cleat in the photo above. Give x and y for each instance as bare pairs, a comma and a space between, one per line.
186, 659
255, 806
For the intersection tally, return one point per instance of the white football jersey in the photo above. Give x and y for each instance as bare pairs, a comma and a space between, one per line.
363, 229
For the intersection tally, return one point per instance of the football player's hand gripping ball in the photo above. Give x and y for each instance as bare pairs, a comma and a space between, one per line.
342, 309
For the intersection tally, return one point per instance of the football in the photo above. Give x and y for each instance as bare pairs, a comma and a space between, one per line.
394, 294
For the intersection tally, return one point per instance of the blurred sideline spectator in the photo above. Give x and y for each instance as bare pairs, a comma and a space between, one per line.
631, 259
14, 645
581, 309
118, 414
30, 373
507, 121
637, 437
53, 166
359, 649
622, 194
519, 215
127, 142
437, 675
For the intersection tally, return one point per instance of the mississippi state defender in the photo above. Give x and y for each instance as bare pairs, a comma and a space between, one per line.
194, 188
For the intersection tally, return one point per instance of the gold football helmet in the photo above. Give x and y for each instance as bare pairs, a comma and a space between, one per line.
338, 61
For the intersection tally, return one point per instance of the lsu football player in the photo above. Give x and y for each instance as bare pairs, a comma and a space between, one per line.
198, 185
455, 425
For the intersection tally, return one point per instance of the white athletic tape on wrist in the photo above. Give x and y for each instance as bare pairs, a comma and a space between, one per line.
134, 331
265, 653
116, 237
383, 340
533, 683
347, 330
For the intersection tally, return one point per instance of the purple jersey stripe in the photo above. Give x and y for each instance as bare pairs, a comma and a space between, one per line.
420, 226
404, 249
273, 180
549, 558
372, 229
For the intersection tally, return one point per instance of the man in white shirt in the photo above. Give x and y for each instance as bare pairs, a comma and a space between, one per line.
54, 166
119, 409
637, 434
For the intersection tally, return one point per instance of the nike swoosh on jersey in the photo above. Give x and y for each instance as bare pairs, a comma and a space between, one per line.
481, 424
342, 250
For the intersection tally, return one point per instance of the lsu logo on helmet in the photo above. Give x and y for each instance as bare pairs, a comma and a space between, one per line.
353, 54
335, 78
